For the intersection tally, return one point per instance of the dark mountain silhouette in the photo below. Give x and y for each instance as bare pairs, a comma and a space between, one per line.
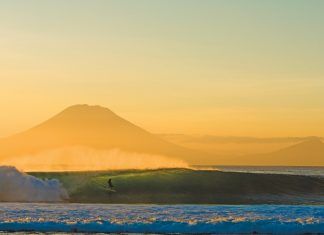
91, 126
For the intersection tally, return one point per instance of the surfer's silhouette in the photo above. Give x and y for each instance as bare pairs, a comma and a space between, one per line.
110, 185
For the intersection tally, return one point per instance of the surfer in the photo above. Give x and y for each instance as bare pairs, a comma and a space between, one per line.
110, 185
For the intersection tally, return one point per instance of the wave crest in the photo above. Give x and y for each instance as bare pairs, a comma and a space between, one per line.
17, 186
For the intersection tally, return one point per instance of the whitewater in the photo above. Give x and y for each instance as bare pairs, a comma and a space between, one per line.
103, 218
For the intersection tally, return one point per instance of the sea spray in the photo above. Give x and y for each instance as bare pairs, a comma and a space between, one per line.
16, 186
81, 158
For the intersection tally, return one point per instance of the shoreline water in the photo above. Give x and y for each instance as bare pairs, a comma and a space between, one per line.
158, 219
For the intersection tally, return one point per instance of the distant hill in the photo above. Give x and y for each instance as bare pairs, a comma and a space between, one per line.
307, 153
90, 126
225, 147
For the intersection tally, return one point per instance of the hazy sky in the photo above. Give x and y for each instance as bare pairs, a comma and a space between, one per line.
248, 68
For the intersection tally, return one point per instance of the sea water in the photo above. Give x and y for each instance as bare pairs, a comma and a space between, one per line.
104, 218
287, 170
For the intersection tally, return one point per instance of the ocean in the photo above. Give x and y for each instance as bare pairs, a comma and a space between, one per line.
188, 186
287, 170
161, 219
286, 207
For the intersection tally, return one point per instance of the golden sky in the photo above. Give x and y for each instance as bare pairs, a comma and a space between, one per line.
246, 68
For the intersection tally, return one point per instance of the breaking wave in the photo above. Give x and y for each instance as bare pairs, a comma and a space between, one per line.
16, 186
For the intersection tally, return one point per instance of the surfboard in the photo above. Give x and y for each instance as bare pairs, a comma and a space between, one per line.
110, 190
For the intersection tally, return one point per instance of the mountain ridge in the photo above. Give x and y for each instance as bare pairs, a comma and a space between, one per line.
310, 152
91, 126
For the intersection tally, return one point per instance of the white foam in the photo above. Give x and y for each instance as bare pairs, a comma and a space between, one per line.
16, 186
162, 219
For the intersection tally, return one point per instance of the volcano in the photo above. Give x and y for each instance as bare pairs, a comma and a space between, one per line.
93, 127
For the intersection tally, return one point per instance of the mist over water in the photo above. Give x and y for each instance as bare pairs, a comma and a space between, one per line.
80, 158
17, 186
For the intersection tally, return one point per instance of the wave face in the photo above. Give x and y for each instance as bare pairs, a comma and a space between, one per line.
184, 186
161, 219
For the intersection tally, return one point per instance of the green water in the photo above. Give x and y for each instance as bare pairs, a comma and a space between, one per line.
174, 186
